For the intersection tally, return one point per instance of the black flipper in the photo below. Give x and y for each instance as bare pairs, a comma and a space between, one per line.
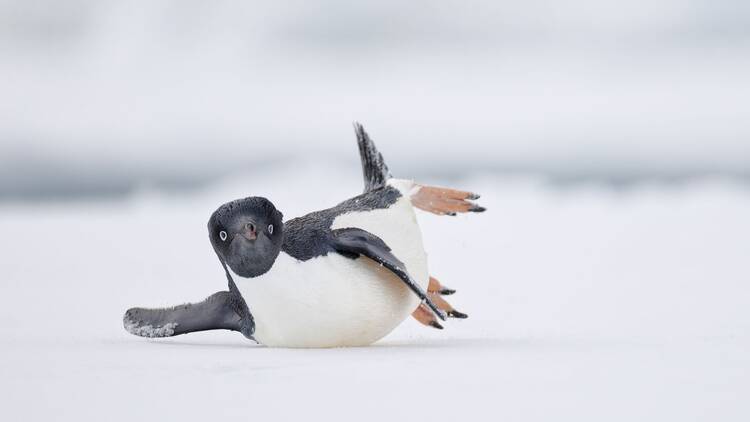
353, 242
220, 311
374, 169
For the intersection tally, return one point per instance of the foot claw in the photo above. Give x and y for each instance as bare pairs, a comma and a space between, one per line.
436, 324
477, 208
455, 314
436, 287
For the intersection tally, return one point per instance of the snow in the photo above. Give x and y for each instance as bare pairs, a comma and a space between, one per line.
585, 303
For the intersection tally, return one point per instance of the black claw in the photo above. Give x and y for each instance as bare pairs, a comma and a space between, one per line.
436, 324
477, 208
473, 196
452, 214
446, 292
455, 314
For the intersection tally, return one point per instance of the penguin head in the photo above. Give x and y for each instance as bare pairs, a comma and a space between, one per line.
247, 235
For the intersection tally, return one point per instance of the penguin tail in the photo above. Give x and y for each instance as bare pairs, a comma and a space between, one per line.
374, 169
434, 199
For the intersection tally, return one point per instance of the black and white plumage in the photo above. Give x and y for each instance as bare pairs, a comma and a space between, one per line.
343, 276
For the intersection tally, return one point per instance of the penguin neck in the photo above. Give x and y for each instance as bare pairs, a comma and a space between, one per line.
231, 276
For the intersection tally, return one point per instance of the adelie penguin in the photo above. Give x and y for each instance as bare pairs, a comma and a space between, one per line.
343, 276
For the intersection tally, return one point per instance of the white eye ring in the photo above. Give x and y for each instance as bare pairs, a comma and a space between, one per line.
223, 235
270, 229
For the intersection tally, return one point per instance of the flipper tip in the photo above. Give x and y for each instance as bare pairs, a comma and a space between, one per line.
133, 324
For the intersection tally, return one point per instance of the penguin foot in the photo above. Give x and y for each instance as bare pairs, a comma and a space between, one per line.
443, 305
436, 287
425, 316
435, 291
444, 201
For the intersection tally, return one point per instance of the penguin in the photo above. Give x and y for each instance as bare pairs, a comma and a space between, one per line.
342, 276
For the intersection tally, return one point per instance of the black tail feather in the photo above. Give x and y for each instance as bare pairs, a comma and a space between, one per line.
374, 170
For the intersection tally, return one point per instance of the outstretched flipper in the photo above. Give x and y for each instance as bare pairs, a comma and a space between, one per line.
353, 242
220, 311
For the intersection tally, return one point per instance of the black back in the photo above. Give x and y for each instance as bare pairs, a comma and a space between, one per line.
310, 235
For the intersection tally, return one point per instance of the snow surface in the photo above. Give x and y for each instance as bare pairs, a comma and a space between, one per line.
585, 303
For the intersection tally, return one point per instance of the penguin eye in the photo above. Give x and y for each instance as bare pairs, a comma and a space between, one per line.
223, 235
270, 229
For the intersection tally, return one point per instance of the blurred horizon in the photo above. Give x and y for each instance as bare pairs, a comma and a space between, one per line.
101, 97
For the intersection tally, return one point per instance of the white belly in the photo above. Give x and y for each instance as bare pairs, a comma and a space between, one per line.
333, 301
